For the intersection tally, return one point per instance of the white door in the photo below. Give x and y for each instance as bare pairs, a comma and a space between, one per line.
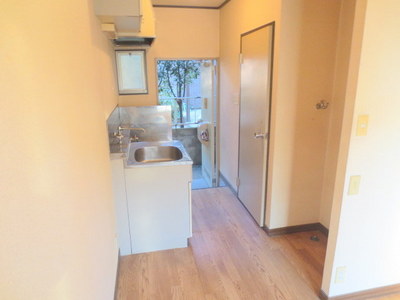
256, 59
207, 115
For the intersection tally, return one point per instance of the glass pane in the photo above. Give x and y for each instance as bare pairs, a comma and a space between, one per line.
131, 72
180, 86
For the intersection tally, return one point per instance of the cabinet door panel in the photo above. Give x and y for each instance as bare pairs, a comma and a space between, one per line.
121, 206
158, 207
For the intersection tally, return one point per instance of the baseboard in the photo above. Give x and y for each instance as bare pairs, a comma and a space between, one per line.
297, 228
117, 276
322, 295
366, 294
284, 230
323, 229
228, 184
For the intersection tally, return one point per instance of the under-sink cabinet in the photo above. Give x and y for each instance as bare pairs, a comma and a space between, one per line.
159, 207
153, 205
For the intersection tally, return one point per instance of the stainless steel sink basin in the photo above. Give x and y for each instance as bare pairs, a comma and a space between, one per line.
153, 154
162, 153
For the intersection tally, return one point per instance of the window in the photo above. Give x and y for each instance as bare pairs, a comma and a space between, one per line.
179, 85
131, 69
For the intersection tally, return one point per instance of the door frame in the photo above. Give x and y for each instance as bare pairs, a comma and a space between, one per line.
264, 191
216, 105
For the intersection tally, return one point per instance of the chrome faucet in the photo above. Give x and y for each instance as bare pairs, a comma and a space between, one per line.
120, 136
120, 128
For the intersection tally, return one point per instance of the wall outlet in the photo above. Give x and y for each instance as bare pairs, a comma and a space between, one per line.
354, 186
340, 274
362, 125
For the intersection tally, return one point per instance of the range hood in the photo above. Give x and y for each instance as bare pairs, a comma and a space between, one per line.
127, 23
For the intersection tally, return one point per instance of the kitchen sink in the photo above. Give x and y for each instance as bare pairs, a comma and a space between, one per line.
153, 154
142, 154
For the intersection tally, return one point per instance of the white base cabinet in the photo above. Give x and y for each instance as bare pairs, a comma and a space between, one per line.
159, 207
120, 204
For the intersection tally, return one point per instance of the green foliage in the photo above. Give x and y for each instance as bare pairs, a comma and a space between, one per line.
173, 78
175, 75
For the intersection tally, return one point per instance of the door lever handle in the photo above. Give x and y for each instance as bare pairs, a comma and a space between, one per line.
258, 135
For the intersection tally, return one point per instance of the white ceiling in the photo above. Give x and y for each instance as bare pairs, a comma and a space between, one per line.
191, 3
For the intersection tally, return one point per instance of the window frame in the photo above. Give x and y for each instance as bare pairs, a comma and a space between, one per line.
143, 71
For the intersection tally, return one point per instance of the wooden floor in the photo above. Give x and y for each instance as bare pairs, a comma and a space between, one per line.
229, 258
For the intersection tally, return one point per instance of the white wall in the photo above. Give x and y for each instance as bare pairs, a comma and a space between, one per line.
181, 33
56, 219
366, 226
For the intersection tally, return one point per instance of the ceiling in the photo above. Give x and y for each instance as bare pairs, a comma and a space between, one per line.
190, 3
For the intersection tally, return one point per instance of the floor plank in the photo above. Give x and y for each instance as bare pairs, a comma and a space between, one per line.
229, 257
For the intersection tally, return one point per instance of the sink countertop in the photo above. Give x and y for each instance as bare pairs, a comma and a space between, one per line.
130, 161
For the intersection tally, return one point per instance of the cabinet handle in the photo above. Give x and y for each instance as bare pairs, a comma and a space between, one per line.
259, 135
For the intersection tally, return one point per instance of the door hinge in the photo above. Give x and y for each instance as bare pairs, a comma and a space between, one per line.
237, 181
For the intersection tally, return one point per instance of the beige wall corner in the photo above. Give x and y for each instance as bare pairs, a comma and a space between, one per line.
305, 76
363, 224
56, 218
352, 12
344, 43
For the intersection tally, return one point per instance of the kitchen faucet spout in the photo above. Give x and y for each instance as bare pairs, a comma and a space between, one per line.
120, 128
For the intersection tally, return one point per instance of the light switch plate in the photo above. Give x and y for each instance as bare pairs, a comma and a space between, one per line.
362, 125
354, 186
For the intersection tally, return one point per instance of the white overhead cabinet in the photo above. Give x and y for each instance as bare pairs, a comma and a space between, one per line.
126, 22
117, 7
120, 13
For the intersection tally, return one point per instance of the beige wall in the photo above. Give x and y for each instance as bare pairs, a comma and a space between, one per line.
366, 225
305, 47
56, 217
305, 76
352, 15
181, 33
337, 107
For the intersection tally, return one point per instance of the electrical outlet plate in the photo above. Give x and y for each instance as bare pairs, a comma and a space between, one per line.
362, 125
237, 181
340, 274
354, 186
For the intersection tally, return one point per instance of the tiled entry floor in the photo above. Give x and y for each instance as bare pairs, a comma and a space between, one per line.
198, 181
